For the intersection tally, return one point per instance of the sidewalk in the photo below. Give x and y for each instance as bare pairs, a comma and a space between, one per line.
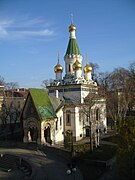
45, 166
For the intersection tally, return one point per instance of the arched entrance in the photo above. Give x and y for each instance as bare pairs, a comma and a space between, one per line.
33, 133
87, 131
47, 134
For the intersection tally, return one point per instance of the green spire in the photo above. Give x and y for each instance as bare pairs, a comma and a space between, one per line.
72, 47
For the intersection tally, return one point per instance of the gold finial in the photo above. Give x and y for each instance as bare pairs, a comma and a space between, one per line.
72, 27
58, 67
87, 68
71, 15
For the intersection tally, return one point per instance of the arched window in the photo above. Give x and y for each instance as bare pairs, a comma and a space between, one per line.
56, 125
97, 114
60, 121
80, 116
69, 68
68, 118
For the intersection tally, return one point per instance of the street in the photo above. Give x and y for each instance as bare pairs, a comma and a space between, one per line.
44, 166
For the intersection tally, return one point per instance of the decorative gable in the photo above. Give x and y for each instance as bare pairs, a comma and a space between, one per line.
42, 104
30, 109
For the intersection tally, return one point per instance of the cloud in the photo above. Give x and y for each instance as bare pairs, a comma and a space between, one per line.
4, 24
45, 32
3, 32
25, 28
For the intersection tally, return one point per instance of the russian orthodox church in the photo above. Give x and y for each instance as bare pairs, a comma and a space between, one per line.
71, 106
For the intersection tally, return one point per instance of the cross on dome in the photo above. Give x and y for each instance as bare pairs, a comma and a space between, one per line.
71, 15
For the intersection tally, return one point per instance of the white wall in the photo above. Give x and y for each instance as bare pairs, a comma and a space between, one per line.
59, 132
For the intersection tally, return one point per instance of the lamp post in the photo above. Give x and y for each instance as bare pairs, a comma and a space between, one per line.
71, 166
71, 145
72, 170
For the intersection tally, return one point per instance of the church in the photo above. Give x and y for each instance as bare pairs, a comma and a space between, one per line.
69, 107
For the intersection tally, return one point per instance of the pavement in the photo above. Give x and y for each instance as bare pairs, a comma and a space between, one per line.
44, 166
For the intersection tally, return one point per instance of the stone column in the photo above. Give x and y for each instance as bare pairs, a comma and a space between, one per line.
42, 136
29, 136
98, 137
25, 138
39, 137
96, 143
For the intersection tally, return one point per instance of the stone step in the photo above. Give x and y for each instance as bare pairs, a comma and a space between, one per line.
8, 161
26, 171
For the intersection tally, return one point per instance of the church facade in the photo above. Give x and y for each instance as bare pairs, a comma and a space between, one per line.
71, 106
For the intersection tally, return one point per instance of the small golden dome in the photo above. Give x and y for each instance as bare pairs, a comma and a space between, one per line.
58, 68
87, 68
77, 65
71, 28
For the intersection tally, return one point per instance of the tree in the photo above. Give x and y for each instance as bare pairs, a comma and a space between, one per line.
131, 84
11, 85
126, 149
118, 93
119, 90
103, 81
10, 115
2, 81
46, 83
87, 111
95, 67
91, 111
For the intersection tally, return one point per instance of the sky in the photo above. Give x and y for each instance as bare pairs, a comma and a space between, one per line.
33, 31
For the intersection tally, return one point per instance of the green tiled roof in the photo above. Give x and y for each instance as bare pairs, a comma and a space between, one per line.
72, 47
43, 104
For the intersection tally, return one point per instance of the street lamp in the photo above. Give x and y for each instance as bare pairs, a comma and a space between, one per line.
72, 170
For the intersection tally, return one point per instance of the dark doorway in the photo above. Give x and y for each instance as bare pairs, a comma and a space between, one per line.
47, 135
87, 132
33, 134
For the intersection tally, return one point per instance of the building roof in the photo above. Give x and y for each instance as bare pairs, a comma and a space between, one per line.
42, 103
22, 93
56, 102
72, 48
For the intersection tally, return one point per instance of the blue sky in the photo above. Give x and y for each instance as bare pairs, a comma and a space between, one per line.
32, 32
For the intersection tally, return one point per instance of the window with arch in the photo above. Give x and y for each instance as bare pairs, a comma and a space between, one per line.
97, 114
56, 125
60, 121
68, 118
69, 67
80, 117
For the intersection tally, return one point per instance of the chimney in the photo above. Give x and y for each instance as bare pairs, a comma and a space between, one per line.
57, 93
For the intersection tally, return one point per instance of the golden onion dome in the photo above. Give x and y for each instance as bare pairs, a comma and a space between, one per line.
77, 65
87, 68
71, 28
58, 68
